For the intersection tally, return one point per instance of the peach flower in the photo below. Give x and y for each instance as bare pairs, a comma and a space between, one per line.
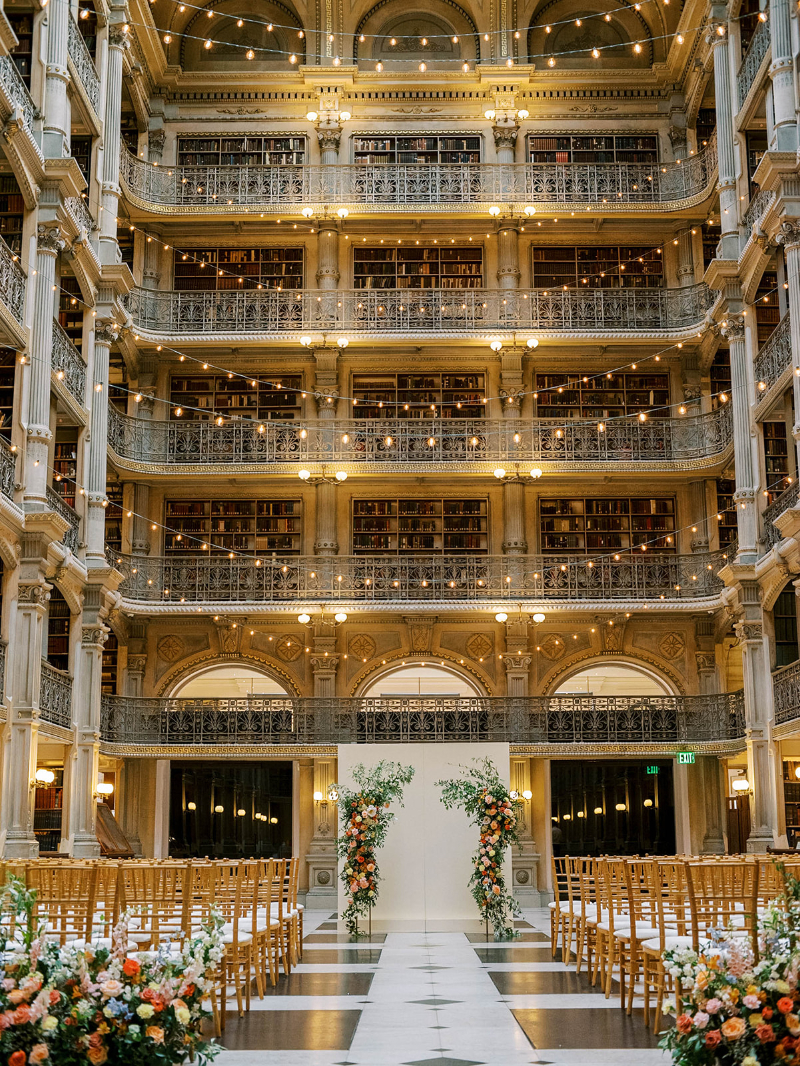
733, 1028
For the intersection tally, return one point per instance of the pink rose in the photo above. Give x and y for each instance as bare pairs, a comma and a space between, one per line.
111, 988
701, 1020
713, 1006
752, 1002
39, 1052
7, 984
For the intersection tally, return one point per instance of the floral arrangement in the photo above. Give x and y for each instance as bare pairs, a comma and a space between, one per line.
74, 1006
734, 1008
365, 819
483, 796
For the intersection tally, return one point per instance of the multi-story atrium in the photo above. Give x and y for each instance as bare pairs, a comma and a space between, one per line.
379, 377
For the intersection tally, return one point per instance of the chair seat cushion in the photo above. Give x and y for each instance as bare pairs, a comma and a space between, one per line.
671, 941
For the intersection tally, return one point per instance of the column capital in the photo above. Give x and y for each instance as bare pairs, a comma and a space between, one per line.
749, 632
516, 663
732, 328
33, 593
119, 37
329, 138
94, 634
49, 238
325, 664
505, 136
789, 235
106, 332
326, 401
713, 36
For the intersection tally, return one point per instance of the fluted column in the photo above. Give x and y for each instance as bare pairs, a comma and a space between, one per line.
151, 273
685, 258
789, 237
325, 542
104, 336
505, 139
324, 667
329, 138
57, 111
728, 204
780, 71
140, 543
713, 843
50, 244
517, 673
741, 391
508, 257
328, 258
118, 44
514, 542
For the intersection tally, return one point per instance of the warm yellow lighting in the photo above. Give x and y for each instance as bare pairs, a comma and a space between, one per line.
501, 616
499, 473
304, 475
317, 797
304, 619
191, 806
340, 616
312, 116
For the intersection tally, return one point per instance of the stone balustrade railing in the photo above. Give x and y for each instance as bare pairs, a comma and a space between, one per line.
788, 498
184, 578
554, 720
753, 58
84, 65
58, 504
408, 442
409, 312
12, 280
774, 359
435, 184
8, 470
55, 696
16, 91
68, 364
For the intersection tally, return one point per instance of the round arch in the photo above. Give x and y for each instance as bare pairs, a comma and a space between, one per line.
420, 677
576, 31
452, 36
616, 677
228, 680
270, 28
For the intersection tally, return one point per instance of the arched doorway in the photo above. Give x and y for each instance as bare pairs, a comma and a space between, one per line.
228, 681
612, 679
421, 679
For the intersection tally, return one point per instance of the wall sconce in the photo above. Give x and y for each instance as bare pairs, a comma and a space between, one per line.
741, 786
527, 794
305, 620
105, 788
323, 478
43, 778
191, 806
318, 797
534, 474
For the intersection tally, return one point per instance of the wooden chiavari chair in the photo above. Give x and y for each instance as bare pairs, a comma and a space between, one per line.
65, 896
560, 905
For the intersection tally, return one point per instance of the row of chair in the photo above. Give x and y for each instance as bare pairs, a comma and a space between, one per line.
618, 915
170, 901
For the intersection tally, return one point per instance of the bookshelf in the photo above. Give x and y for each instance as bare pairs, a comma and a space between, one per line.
249, 526
58, 619
607, 524
113, 516
70, 309
81, 152
776, 458
390, 148
596, 267
768, 312
240, 151
108, 683
420, 526
711, 238
8, 370
726, 523
705, 125
22, 53
65, 463
87, 24
48, 808
271, 268
573, 148
12, 208
720, 375
411, 395
280, 398
603, 396
418, 268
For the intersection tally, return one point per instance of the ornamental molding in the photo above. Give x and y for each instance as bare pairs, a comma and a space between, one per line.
441, 655
673, 645
556, 675
49, 238
749, 632
192, 666
705, 660
789, 234
325, 664
93, 635
34, 594
361, 646
137, 664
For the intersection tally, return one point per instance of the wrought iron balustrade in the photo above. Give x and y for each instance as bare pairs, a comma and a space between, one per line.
55, 696
84, 64
774, 359
753, 58
79, 210
458, 312
16, 91
786, 693
414, 184
68, 364
788, 498
414, 441
12, 281
200, 578
756, 210
8, 470
61, 507
515, 720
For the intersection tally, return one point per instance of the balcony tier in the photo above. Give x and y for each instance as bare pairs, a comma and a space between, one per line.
176, 584
422, 445
441, 188
480, 314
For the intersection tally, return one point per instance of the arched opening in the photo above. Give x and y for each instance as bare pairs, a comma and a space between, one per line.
423, 680
229, 681
441, 34
612, 679
266, 30
585, 37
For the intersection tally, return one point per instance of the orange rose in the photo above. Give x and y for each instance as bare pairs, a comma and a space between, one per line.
684, 1023
131, 967
155, 1033
16, 1058
765, 1033
767, 1013
712, 1038
734, 1028
785, 1004
97, 1055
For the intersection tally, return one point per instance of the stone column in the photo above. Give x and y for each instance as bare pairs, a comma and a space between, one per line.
104, 336
780, 71
505, 139
518, 669
37, 471
140, 543
156, 139
508, 256
697, 497
80, 815
762, 757
151, 272
325, 542
514, 542
327, 258
57, 111
329, 138
525, 859
706, 666
789, 237
321, 855
728, 204
685, 258
324, 667
134, 675
118, 44
713, 843
511, 392
741, 391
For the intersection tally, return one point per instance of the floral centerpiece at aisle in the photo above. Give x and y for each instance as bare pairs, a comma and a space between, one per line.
736, 1008
365, 820
74, 1006
495, 810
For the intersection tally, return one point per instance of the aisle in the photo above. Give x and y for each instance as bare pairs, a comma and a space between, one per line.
435, 999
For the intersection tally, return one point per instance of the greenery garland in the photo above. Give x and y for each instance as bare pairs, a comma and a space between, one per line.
480, 792
365, 821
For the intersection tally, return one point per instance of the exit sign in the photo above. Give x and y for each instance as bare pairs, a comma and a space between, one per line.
685, 758
652, 770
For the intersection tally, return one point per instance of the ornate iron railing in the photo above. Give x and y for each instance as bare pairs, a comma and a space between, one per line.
397, 184
8, 470
774, 358
84, 65
12, 281
787, 499
198, 578
458, 312
79, 210
753, 57
529, 720
756, 210
61, 507
786, 693
412, 441
68, 364
55, 696
16, 91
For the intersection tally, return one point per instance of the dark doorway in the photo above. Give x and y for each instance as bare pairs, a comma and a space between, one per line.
231, 810
612, 808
